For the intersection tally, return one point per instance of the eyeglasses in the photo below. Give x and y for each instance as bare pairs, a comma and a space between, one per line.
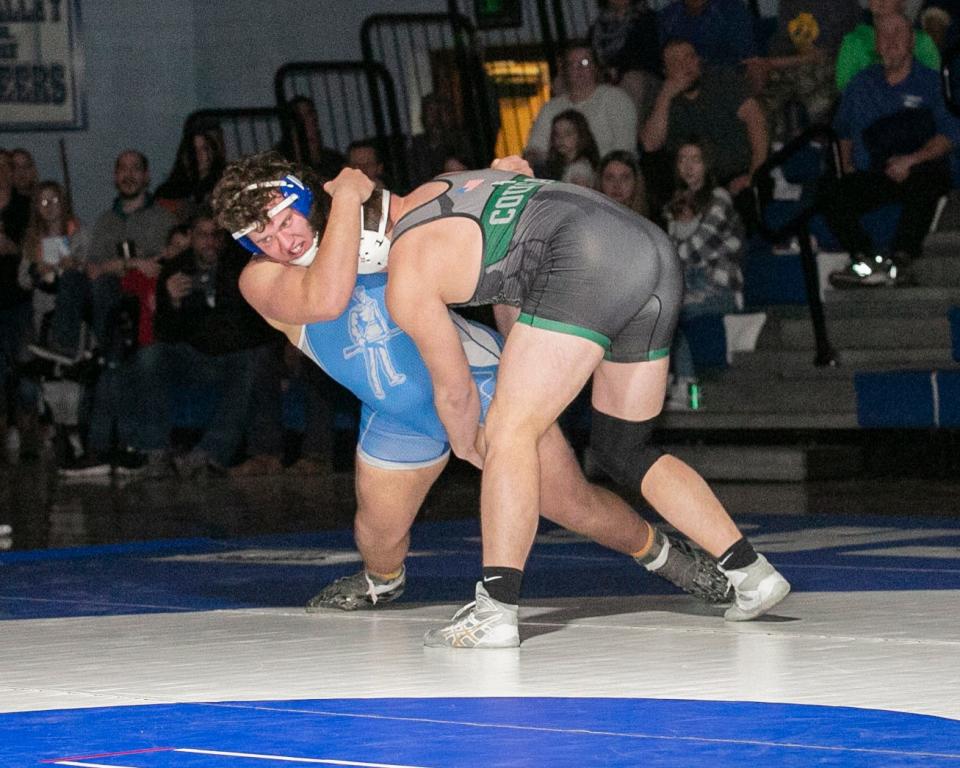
47, 201
583, 63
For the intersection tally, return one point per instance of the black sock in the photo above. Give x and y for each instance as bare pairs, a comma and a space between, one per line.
740, 555
503, 584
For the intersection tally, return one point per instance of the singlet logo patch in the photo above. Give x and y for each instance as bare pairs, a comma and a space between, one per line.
468, 186
502, 211
371, 334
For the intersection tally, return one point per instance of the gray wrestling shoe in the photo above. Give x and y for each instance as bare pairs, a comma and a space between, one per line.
484, 623
361, 590
688, 567
758, 587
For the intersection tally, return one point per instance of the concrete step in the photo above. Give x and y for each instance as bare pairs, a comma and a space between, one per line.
887, 333
927, 301
793, 364
945, 243
937, 271
761, 395
784, 463
709, 418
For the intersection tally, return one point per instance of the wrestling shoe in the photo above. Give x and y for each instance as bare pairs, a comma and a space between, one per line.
758, 587
361, 590
484, 623
688, 567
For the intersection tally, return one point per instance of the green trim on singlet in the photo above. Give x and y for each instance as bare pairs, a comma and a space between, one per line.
501, 213
654, 354
567, 328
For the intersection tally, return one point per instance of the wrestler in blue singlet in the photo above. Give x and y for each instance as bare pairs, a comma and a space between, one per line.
366, 352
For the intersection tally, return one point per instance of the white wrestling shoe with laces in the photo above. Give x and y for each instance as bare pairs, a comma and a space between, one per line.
484, 623
758, 587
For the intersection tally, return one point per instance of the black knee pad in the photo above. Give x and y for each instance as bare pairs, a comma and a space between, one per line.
621, 450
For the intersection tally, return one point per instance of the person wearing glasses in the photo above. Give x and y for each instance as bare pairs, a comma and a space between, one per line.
610, 112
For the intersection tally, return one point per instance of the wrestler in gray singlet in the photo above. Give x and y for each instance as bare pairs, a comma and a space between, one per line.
573, 260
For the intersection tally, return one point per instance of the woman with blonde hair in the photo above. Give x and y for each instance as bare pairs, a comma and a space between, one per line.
49, 247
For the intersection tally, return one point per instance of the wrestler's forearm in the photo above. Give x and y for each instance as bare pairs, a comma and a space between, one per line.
328, 283
460, 415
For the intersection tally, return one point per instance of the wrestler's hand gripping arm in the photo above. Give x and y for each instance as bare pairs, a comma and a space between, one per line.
322, 291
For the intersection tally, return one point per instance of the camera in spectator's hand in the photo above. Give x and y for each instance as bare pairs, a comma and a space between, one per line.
200, 281
126, 250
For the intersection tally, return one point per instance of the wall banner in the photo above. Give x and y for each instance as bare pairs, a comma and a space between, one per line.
41, 66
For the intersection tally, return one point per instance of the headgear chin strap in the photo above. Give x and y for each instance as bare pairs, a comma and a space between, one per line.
374, 244
307, 257
296, 195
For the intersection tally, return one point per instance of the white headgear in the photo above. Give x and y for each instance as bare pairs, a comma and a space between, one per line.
374, 244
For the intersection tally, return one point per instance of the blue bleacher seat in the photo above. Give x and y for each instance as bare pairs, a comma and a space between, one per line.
948, 390
708, 341
895, 399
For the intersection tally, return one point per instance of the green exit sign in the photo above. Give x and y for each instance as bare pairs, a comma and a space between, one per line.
496, 14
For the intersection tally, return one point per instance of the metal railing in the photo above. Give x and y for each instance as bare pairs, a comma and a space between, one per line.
817, 152
243, 130
354, 100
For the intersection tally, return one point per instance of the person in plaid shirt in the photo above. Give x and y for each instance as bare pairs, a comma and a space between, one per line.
708, 234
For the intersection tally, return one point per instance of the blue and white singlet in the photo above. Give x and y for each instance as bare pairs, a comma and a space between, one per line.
368, 354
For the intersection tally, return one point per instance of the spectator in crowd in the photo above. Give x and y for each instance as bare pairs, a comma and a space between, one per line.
113, 436
141, 282
278, 366
610, 112
795, 82
15, 302
14, 208
132, 234
714, 105
206, 334
456, 161
626, 42
197, 168
938, 23
25, 176
441, 138
859, 48
895, 139
573, 154
305, 144
721, 31
939, 19
619, 177
365, 155
50, 246
708, 235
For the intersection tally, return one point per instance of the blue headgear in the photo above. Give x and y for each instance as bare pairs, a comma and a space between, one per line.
296, 195
374, 245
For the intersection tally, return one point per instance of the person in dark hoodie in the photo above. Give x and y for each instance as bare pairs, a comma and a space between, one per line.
206, 334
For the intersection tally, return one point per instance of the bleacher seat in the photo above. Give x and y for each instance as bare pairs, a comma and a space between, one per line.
707, 337
948, 401
897, 399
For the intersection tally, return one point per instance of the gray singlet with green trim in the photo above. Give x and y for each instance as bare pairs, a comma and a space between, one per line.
573, 260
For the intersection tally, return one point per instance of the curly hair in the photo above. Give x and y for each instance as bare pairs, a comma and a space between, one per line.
237, 207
